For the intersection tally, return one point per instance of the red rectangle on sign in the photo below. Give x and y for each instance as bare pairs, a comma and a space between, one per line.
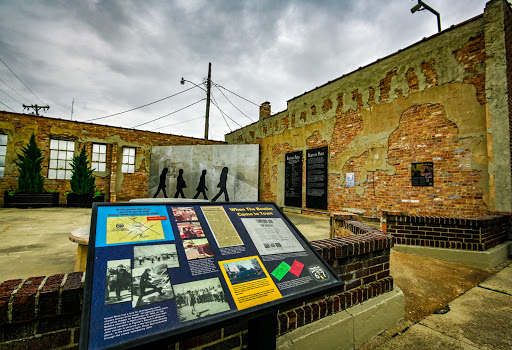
154, 218
296, 268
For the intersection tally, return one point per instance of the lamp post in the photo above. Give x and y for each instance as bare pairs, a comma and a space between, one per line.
208, 88
421, 6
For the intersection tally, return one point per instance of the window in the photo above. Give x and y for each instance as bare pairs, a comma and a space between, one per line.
99, 157
128, 160
3, 152
61, 155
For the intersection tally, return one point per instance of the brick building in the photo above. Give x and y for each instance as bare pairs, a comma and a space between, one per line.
120, 156
445, 100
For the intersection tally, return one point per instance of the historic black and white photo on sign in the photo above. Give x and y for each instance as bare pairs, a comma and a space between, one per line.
153, 255
118, 282
199, 299
151, 285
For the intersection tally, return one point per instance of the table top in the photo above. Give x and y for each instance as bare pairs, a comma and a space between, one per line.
80, 235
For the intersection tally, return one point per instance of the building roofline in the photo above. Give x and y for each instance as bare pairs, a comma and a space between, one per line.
452, 27
455, 26
102, 125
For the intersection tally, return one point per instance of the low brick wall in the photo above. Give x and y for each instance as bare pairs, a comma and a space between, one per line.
442, 232
45, 312
362, 262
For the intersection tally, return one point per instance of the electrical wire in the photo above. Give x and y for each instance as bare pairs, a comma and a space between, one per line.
186, 121
234, 105
224, 113
7, 106
15, 91
243, 98
147, 104
11, 97
214, 102
190, 105
21, 81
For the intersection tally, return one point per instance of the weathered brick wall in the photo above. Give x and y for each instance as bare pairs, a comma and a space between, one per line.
425, 103
115, 184
442, 232
508, 44
45, 312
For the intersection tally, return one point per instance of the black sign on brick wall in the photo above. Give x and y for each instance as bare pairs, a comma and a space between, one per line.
422, 174
316, 178
293, 179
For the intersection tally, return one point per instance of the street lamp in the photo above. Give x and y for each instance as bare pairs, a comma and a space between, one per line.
421, 6
208, 88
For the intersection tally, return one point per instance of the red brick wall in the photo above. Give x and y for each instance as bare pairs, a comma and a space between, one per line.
116, 185
442, 232
423, 104
508, 45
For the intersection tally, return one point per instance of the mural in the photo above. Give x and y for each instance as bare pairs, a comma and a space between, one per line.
221, 173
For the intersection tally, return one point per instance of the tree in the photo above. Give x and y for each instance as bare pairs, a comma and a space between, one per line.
29, 165
82, 180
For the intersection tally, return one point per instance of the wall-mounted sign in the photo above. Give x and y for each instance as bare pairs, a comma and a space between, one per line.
165, 269
350, 179
422, 174
293, 179
316, 178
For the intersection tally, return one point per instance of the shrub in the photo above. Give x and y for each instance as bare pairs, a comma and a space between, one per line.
82, 180
29, 165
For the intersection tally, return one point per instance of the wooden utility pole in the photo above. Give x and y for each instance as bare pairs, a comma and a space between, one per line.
36, 108
208, 87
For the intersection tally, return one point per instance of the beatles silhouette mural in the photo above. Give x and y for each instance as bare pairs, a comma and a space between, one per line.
205, 172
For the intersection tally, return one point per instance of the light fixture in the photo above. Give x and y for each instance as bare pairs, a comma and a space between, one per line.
416, 7
182, 81
421, 6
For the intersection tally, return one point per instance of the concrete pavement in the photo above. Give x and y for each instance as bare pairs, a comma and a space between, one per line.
481, 318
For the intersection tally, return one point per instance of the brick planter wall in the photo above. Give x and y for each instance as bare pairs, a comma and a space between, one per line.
441, 232
362, 262
45, 312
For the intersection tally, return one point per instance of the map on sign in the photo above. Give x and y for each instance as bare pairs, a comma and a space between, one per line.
125, 229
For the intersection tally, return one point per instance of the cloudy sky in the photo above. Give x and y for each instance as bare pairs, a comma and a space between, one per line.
113, 56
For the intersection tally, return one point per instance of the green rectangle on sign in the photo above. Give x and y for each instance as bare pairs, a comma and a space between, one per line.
281, 270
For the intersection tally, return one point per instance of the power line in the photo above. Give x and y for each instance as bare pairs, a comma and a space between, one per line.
224, 113
243, 98
147, 104
21, 81
234, 105
186, 121
221, 112
11, 97
14, 91
7, 106
136, 126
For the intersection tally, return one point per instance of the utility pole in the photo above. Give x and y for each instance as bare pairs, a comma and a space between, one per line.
72, 104
208, 87
36, 108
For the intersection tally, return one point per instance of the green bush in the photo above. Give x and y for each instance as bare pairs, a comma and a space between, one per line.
29, 165
82, 180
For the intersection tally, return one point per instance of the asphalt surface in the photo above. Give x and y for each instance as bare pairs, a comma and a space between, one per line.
474, 305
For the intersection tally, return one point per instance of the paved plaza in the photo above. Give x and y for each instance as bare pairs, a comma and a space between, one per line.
35, 243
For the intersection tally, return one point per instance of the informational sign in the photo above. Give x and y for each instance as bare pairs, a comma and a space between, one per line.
350, 180
293, 179
422, 174
163, 269
316, 178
